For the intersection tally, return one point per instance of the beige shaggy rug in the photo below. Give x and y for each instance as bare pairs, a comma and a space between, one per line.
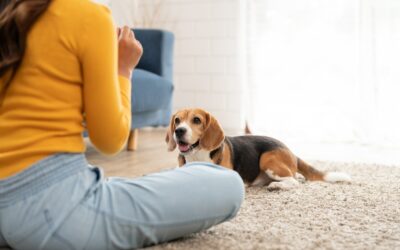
362, 215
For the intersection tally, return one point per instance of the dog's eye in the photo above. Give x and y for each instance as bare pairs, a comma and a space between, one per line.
196, 120
177, 120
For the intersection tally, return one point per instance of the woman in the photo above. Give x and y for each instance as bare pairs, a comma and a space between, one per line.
63, 65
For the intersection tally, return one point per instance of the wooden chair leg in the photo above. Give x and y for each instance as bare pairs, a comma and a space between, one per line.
133, 140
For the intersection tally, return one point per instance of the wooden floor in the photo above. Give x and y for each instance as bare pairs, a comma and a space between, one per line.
151, 156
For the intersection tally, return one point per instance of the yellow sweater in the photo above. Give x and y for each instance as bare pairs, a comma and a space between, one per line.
68, 78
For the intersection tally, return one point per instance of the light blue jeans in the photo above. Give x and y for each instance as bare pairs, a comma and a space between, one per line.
62, 202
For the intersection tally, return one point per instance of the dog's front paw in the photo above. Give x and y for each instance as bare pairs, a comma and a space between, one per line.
273, 186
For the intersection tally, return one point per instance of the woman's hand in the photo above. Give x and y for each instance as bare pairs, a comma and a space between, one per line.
129, 51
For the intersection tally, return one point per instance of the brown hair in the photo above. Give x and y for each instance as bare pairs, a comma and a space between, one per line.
16, 18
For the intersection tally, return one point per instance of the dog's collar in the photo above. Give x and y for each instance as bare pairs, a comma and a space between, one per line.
195, 145
218, 152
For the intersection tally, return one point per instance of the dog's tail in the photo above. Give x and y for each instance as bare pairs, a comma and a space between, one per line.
313, 174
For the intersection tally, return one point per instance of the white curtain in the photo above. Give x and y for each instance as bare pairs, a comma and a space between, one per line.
324, 71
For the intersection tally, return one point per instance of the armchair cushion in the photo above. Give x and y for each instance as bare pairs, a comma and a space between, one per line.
150, 92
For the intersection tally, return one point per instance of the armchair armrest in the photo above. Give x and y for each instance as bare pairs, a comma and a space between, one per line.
157, 51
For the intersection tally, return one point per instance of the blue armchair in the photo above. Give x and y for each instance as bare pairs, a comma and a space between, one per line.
152, 85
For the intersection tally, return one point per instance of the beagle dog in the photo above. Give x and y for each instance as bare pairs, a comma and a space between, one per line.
260, 160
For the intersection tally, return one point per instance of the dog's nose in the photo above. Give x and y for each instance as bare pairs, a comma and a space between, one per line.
180, 132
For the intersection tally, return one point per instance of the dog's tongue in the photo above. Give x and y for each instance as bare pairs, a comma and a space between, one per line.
184, 147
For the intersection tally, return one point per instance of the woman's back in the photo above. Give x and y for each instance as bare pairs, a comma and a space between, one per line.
41, 112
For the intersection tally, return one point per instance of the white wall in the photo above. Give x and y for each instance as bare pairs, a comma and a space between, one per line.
207, 62
124, 11
209, 65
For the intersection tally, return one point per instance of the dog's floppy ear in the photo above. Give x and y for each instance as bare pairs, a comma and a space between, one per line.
169, 138
213, 135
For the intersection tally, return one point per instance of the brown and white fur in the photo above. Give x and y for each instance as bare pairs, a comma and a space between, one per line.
260, 160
